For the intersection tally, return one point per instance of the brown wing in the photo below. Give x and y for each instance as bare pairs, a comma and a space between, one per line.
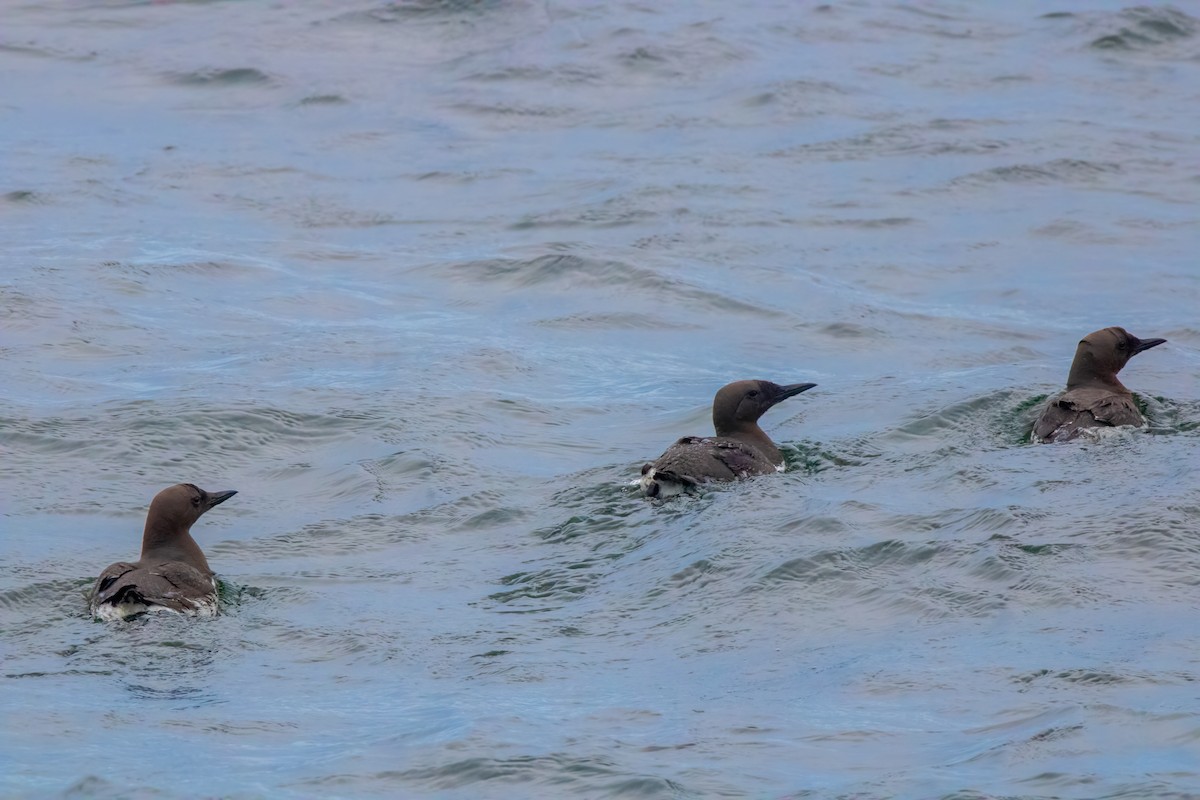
695, 459
1118, 409
742, 459
173, 584
1069, 414
111, 581
1058, 423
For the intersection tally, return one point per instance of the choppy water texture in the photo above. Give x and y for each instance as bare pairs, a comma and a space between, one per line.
428, 281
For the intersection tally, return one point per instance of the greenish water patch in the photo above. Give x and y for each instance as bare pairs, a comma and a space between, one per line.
323, 100
218, 78
23, 196
813, 458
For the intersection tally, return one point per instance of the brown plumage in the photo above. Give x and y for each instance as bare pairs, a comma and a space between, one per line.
1094, 398
740, 448
172, 573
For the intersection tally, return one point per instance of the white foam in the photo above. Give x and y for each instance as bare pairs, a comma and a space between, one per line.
110, 612
1091, 434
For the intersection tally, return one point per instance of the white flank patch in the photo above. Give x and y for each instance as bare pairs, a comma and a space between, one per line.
665, 488
113, 613
1090, 434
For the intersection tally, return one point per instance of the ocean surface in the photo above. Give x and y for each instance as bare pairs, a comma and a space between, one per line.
428, 281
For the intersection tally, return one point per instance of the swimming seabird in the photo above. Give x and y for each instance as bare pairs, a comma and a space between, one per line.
172, 573
1094, 398
740, 448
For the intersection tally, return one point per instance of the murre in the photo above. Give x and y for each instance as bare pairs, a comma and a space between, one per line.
1094, 398
740, 448
172, 573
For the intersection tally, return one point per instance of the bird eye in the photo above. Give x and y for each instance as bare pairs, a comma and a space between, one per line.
196, 500
752, 393
1121, 345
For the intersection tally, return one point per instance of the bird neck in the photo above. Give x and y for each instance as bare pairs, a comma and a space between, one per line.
1085, 372
749, 433
164, 542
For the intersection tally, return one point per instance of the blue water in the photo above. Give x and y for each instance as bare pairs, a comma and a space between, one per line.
428, 282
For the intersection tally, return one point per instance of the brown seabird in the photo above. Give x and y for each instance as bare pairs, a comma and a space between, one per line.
172, 573
1094, 398
740, 448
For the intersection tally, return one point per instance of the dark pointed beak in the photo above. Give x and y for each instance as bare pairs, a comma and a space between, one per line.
216, 498
793, 389
1146, 344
